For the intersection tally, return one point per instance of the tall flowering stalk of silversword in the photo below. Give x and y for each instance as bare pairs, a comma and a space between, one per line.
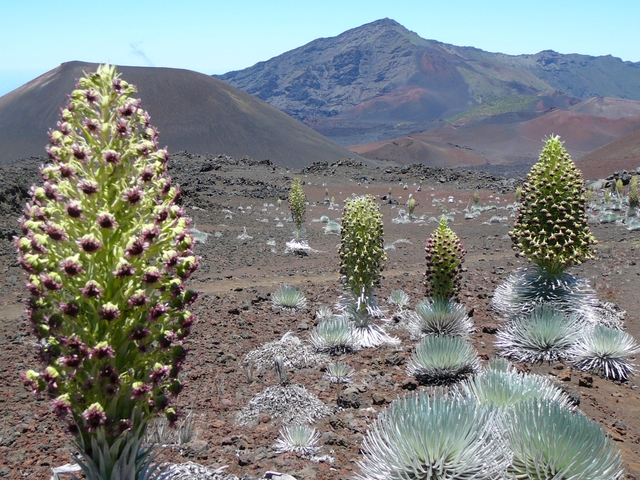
107, 253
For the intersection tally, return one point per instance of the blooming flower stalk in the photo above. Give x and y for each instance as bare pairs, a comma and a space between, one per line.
551, 226
107, 253
297, 204
444, 254
362, 248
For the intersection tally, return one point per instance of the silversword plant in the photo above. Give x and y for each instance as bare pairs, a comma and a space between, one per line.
419, 436
107, 252
361, 249
297, 205
444, 254
551, 225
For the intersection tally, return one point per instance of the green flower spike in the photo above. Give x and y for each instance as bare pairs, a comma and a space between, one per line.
445, 255
297, 203
108, 303
551, 226
361, 250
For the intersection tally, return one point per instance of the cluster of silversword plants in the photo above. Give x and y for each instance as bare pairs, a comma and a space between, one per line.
499, 424
107, 252
549, 314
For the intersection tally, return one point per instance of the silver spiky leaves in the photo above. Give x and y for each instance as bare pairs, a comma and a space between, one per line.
419, 436
544, 335
549, 441
606, 351
443, 360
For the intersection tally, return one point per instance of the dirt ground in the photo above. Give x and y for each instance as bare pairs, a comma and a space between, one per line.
228, 198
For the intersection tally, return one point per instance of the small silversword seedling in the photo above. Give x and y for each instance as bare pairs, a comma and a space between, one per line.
361, 250
107, 251
551, 226
445, 255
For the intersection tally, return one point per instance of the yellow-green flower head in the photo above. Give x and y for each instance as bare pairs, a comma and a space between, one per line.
444, 255
551, 226
297, 202
362, 254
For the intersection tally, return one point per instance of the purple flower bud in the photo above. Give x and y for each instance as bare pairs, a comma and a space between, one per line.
124, 269
162, 215
71, 361
110, 373
140, 391
50, 282
65, 128
71, 309
80, 152
74, 344
106, 220
109, 311
34, 212
30, 380
74, 210
55, 232
61, 406
51, 192
71, 266
139, 333
151, 275
144, 149
158, 372
92, 290
157, 311
132, 195
72, 428
129, 108
94, 417
102, 351
36, 246
111, 156
116, 83
137, 299
147, 174
171, 259
34, 289
91, 125
122, 128
89, 243
167, 338
137, 247
150, 234
91, 95
88, 187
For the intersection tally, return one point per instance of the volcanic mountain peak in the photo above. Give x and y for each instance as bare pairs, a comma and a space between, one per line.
192, 111
380, 81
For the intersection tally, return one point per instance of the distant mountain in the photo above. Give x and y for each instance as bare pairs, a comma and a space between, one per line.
507, 144
620, 154
380, 82
406, 77
192, 112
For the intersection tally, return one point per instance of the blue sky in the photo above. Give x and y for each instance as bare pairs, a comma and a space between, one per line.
216, 36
